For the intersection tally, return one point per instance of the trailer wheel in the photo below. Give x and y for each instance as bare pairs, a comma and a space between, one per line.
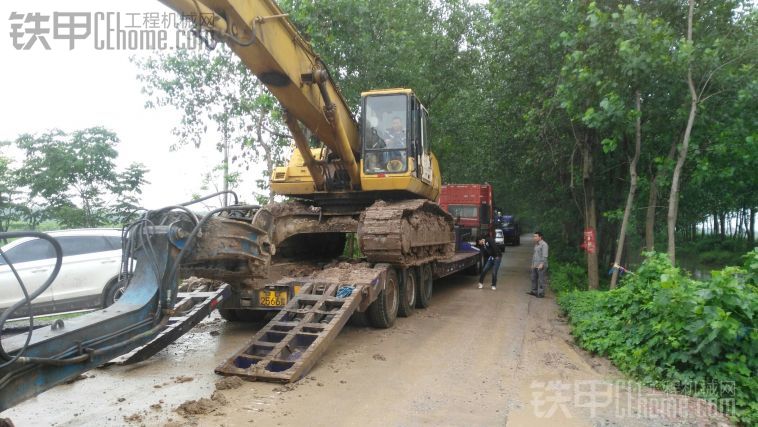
425, 284
408, 292
228, 314
475, 269
383, 312
359, 319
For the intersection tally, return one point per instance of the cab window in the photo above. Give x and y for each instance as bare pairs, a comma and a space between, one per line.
385, 134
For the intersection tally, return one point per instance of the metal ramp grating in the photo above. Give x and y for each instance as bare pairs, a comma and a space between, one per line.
286, 348
190, 308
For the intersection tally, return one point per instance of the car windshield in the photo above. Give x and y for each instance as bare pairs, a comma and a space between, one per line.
385, 134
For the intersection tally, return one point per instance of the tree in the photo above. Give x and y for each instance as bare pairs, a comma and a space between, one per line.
126, 190
682, 155
10, 210
73, 174
214, 88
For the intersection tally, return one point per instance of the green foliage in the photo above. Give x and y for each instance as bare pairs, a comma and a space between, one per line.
714, 252
352, 248
566, 277
665, 328
72, 178
10, 210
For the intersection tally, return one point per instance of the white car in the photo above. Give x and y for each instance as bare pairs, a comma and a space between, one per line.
499, 238
88, 277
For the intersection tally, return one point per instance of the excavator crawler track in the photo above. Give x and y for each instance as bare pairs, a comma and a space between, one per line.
406, 233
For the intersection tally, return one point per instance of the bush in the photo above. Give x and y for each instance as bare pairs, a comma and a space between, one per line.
664, 328
567, 277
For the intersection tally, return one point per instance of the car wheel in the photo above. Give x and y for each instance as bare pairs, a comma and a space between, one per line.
113, 292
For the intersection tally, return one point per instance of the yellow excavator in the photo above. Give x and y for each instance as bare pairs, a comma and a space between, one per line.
376, 179
374, 156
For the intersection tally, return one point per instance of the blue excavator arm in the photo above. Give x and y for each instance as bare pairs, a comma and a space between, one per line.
155, 247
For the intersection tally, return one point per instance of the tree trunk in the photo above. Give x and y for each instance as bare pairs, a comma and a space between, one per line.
722, 225
590, 212
652, 201
632, 188
751, 228
226, 169
674, 195
715, 224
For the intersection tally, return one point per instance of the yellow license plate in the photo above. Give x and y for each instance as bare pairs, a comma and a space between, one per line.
272, 298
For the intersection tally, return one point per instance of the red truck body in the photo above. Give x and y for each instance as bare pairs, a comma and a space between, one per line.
472, 207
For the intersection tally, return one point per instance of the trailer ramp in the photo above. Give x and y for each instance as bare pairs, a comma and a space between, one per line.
189, 310
288, 347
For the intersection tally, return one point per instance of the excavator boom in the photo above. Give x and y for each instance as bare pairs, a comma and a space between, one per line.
263, 37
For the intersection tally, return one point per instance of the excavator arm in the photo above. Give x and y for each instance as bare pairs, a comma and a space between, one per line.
263, 37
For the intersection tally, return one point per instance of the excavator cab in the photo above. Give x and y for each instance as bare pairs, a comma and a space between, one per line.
385, 133
396, 152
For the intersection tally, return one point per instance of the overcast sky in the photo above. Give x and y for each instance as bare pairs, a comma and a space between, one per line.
84, 87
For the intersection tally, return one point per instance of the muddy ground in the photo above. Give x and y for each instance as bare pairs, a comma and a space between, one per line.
475, 357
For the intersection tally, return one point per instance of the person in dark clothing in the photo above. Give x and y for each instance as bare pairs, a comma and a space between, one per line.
493, 255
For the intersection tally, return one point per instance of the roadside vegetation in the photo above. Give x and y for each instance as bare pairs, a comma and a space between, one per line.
670, 331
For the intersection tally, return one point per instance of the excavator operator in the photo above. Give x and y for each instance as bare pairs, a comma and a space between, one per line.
392, 143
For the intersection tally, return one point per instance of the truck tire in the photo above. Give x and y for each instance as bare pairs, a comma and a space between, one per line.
383, 312
475, 269
408, 292
425, 284
359, 319
228, 314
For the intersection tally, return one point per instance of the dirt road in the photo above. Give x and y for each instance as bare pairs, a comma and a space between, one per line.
475, 357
